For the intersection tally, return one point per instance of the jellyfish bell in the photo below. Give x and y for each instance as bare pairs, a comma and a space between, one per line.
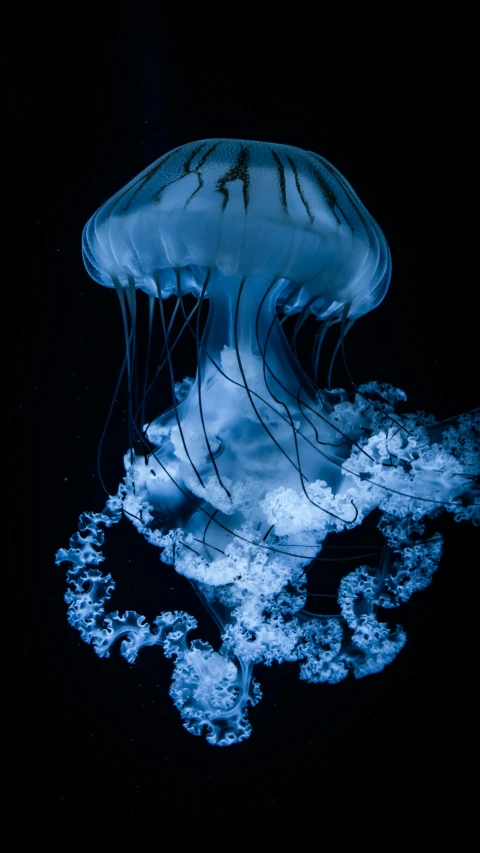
252, 466
248, 209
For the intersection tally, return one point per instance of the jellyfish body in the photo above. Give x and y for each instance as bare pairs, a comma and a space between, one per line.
240, 482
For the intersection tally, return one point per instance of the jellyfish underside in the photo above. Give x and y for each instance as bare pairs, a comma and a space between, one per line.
242, 479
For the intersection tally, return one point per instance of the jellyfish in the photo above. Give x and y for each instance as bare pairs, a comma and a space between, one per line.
253, 465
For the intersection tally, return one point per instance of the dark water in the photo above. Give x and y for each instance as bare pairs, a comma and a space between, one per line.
90, 113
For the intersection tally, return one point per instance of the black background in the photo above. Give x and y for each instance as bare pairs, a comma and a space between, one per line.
92, 102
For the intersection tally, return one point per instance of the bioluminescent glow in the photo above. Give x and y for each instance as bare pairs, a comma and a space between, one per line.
241, 481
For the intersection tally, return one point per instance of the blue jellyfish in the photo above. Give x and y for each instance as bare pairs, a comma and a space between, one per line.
239, 483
